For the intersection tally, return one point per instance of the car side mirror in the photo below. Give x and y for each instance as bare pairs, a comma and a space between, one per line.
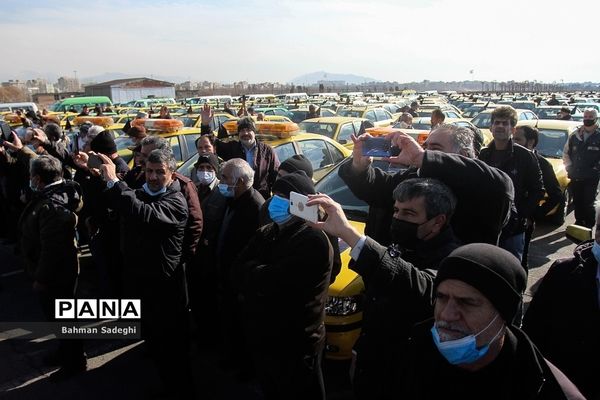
578, 234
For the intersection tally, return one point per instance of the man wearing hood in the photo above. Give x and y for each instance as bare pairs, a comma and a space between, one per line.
287, 250
47, 239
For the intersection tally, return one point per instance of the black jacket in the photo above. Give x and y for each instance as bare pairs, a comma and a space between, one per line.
152, 228
484, 195
213, 210
397, 295
583, 157
283, 278
523, 168
554, 194
238, 227
563, 318
47, 234
265, 163
519, 372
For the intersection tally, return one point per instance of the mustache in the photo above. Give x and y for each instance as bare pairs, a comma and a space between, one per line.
451, 327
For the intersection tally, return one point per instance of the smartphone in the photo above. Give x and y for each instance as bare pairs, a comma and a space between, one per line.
6, 131
94, 161
299, 208
376, 147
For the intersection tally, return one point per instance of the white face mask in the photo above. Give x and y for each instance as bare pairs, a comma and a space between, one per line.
205, 177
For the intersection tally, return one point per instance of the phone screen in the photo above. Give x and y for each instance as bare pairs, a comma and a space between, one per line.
94, 161
376, 147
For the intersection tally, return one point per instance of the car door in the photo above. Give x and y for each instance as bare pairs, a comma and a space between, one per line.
345, 133
317, 152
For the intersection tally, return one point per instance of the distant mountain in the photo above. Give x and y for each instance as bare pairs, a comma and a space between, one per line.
110, 76
315, 77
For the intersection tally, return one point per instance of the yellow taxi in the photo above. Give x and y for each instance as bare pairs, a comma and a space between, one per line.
182, 140
286, 140
377, 115
339, 129
344, 307
553, 135
483, 121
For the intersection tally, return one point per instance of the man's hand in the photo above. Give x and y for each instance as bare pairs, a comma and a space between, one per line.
38, 136
15, 144
107, 169
206, 114
80, 159
359, 162
336, 223
411, 152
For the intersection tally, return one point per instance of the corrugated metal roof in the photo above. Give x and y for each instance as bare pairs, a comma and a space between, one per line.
133, 82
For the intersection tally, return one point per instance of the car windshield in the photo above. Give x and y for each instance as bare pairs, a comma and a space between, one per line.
320, 128
188, 122
547, 113
333, 186
420, 125
551, 142
483, 120
124, 142
350, 113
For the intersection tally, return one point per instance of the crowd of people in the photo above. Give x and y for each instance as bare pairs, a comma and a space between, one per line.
443, 256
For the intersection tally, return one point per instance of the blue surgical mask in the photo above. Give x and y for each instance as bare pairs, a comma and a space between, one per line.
205, 177
226, 190
150, 192
279, 210
596, 251
463, 350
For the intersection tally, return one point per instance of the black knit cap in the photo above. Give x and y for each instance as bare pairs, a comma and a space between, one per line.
104, 143
208, 158
495, 272
297, 182
297, 162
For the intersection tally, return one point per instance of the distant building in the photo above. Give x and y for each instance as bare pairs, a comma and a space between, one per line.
124, 90
15, 83
66, 84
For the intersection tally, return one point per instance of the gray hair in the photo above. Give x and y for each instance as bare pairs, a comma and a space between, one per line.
593, 111
48, 168
163, 156
240, 171
438, 197
462, 139
157, 142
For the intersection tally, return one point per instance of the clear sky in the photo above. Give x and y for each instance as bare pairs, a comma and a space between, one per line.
257, 40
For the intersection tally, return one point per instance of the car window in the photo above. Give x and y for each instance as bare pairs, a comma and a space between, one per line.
370, 115
345, 132
336, 154
285, 151
381, 114
190, 143
175, 147
451, 114
327, 113
317, 153
551, 142
523, 117
188, 122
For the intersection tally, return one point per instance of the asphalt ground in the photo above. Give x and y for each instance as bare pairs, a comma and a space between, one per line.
121, 369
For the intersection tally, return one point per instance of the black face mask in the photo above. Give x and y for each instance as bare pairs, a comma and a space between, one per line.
404, 233
589, 122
